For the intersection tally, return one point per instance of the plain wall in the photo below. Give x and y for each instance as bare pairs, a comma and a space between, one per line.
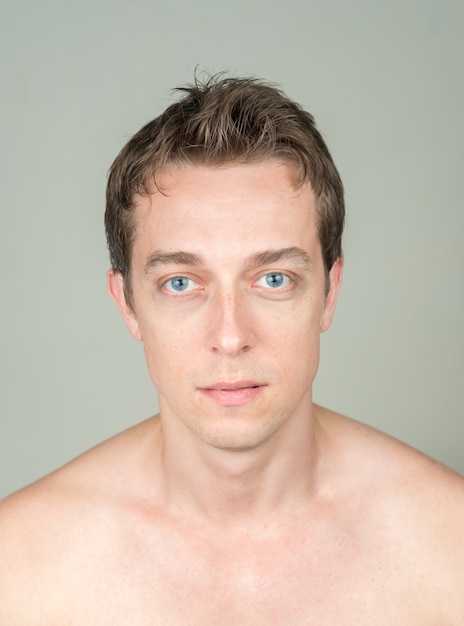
385, 83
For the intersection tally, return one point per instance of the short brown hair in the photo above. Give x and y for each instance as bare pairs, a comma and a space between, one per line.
219, 121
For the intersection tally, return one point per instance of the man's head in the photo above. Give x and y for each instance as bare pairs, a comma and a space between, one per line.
219, 122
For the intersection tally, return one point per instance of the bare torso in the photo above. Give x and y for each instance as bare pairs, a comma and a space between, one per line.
381, 542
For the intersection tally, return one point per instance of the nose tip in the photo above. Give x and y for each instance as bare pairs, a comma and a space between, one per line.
230, 345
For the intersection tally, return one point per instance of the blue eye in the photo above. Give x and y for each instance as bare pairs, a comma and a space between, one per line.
274, 280
180, 284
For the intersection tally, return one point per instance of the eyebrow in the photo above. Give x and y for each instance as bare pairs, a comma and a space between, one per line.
171, 258
294, 254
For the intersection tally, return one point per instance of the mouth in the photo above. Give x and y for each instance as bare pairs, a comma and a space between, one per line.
237, 393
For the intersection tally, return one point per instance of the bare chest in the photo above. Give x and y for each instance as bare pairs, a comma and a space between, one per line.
201, 580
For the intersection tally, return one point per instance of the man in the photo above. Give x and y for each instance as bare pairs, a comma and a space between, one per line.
242, 502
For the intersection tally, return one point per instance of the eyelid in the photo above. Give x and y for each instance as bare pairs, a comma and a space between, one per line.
164, 282
286, 275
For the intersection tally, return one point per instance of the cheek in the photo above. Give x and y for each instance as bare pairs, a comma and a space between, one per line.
305, 347
166, 354
295, 339
301, 323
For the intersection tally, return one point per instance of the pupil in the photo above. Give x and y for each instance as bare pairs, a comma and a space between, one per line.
274, 280
179, 283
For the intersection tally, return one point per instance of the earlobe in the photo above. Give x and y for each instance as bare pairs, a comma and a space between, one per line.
115, 284
335, 281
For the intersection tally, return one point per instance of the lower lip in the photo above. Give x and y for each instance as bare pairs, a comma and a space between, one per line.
233, 397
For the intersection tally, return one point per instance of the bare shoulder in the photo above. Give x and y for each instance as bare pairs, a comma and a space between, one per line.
52, 527
396, 470
415, 501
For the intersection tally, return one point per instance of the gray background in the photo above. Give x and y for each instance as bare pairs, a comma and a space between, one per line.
385, 82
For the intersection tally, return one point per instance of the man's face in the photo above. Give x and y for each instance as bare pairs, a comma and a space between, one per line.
229, 300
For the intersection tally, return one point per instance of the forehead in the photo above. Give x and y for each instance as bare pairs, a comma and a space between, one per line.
233, 207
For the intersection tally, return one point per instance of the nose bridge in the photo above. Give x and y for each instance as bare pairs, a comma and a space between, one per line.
229, 327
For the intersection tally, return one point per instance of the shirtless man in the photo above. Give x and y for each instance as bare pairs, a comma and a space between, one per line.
242, 502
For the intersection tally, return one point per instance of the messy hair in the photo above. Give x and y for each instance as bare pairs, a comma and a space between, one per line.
216, 122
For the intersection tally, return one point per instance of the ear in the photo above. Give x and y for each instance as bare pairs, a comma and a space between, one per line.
335, 281
115, 284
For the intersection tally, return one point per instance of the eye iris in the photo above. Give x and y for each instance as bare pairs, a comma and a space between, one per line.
274, 280
179, 283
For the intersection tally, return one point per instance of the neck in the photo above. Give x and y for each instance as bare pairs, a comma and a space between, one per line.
240, 485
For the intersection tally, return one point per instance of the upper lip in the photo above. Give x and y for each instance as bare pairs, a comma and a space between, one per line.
231, 385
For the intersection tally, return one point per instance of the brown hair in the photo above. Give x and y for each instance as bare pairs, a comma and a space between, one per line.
219, 121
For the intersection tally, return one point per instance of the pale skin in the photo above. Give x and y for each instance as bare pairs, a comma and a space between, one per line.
242, 502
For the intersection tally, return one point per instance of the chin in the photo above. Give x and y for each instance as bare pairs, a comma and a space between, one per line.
238, 436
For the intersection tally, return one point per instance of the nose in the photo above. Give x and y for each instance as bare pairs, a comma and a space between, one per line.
229, 329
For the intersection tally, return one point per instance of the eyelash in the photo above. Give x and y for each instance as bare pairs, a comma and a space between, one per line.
285, 279
178, 278
287, 282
